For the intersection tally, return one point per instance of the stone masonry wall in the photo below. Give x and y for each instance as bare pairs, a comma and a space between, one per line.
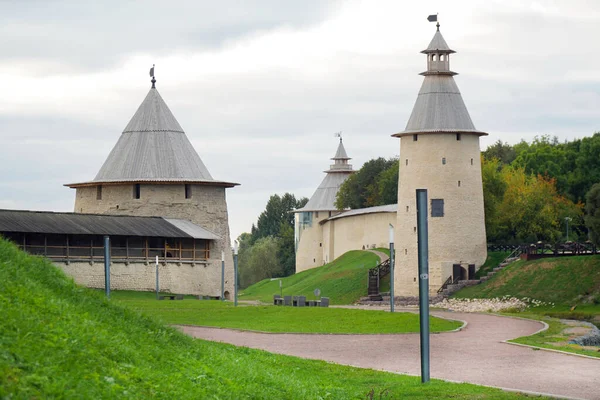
207, 207
174, 277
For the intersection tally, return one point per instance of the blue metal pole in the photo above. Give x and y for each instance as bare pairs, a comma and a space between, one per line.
157, 282
222, 276
107, 266
235, 267
392, 266
423, 251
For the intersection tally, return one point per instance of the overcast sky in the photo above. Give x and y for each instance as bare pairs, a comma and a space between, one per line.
260, 87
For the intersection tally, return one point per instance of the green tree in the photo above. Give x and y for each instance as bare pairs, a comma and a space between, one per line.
592, 211
494, 187
503, 152
367, 187
260, 261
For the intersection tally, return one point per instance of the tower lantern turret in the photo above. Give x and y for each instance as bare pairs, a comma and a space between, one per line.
438, 56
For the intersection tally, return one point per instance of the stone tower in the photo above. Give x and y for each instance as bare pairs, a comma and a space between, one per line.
439, 151
309, 235
153, 170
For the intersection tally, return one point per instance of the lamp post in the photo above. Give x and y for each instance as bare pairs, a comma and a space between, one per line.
567, 219
222, 276
391, 268
235, 272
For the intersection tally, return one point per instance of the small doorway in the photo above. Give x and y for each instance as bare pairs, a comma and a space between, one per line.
458, 272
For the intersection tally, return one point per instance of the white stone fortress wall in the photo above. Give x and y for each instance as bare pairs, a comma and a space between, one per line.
174, 277
450, 170
207, 207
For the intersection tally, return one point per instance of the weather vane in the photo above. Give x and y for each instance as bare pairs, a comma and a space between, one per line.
152, 75
338, 134
434, 18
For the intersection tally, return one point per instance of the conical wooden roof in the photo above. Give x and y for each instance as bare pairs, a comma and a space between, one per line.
153, 148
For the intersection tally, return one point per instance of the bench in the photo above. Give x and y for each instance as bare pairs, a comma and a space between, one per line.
171, 296
299, 301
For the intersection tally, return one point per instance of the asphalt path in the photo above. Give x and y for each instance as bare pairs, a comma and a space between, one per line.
475, 354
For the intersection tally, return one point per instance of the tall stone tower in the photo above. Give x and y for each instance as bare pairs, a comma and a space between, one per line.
439, 151
153, 170
309, 235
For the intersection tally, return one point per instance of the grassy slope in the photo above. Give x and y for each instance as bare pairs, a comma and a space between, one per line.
492, 261
278, 319
563, 281
344, 280
58, 340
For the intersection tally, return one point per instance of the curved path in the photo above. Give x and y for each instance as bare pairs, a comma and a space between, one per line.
475, 354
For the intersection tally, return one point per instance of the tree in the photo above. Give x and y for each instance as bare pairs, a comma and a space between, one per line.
370, 186
592, 211
275, 222
494, 188
532, 209
503, 152
260, 261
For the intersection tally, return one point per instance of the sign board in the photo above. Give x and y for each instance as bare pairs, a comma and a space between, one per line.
317, 292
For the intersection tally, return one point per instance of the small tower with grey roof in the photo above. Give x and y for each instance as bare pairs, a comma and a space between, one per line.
153, 170
439, 151
309, 235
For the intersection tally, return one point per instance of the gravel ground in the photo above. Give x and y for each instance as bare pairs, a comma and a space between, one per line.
476, 354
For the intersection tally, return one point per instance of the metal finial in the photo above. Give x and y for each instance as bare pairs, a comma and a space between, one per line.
438, 26
153, 79
338, 134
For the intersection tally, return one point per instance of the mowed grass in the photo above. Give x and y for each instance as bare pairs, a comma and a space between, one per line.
61, 341
344, 281
278, 319
561, 280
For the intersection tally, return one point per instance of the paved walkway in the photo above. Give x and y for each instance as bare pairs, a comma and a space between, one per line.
475, 354
382, 256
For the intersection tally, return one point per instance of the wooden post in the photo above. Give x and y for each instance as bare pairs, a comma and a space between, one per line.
67, 247
45, 245
127, 248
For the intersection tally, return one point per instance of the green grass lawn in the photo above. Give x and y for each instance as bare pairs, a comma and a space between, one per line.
344, 281
62, 341
278, 319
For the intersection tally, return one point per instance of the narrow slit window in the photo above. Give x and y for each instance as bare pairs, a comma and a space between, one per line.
405, 251
444, 161
458, 136
415, 138
99, 192
471, 161
188, 191
406, 208
136, 191
458, 183
407, 161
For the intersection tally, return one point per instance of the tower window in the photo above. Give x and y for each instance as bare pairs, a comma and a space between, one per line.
458, 136
433, 57
437, 207
444, 161
317, 214
415, 138
458, 183
441, 57
407, 161
188, 191
471, 161
99, 192
136, 191
406, 208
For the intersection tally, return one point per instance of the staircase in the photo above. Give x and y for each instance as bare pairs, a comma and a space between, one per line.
450, 286
375, 275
